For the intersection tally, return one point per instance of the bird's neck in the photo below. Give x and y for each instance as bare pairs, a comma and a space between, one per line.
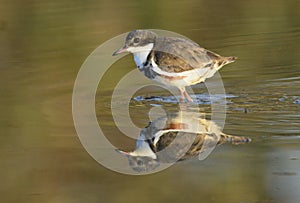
143, 149
140, 56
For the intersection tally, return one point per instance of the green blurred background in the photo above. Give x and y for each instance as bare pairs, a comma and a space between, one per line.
42, 46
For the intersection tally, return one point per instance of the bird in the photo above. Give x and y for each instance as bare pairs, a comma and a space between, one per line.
177, 136
172, 61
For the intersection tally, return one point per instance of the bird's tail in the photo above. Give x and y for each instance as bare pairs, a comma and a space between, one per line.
229, 59
234, 139
222, 61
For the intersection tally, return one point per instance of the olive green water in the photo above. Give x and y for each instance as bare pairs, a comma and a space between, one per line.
44, 43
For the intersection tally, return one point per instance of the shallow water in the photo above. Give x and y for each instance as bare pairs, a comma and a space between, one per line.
43, 45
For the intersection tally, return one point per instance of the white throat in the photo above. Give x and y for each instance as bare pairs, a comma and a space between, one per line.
140, 54
143, 148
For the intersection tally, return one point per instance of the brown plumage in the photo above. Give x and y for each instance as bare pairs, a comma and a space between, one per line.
177, 137
172, 61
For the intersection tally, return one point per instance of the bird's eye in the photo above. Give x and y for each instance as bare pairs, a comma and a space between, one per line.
136, 40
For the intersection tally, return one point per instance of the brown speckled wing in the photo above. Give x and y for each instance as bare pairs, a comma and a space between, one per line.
185, 146
179, 55
189, 145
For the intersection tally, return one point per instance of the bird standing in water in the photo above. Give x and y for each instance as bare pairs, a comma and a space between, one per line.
172, 61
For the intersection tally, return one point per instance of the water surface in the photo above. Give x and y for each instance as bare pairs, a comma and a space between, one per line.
44, 43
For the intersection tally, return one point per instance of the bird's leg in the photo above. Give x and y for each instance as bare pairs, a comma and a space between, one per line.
187, 96
181, 95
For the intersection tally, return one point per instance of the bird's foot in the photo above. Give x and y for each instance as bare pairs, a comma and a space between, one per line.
188, 97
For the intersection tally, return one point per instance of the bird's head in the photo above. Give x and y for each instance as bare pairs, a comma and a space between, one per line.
138, 41
140, 163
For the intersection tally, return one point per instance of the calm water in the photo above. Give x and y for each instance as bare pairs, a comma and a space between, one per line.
44, 43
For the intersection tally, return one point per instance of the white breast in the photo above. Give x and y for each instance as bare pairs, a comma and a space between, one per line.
140, 58
140, 54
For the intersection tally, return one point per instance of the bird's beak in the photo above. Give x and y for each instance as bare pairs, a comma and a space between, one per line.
121, 50
122, 152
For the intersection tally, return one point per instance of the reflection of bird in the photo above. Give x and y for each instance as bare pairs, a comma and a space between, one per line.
174, 138
172, 61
